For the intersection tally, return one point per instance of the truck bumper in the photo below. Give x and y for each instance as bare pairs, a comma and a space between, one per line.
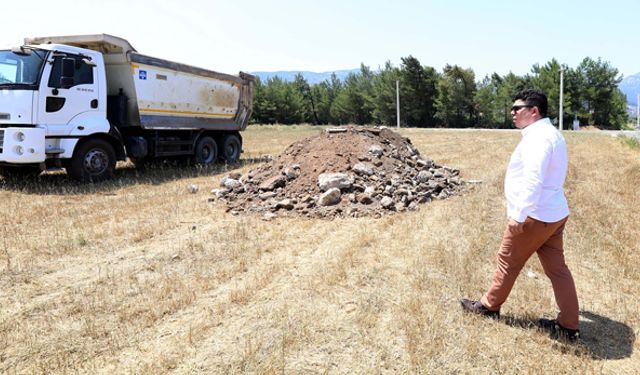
22, 145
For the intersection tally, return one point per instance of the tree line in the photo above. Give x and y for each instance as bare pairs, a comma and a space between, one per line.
451, 98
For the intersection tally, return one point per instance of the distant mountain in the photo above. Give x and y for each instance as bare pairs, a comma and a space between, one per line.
311, 77
630, 86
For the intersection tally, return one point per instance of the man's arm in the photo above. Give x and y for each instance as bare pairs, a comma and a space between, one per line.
536, 157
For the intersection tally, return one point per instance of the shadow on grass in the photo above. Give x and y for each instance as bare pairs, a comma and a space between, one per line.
59, 183
602, 337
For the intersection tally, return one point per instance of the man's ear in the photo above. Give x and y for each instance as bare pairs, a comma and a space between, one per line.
537, 111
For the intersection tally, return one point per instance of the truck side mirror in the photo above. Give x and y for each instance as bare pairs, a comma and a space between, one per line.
68, 71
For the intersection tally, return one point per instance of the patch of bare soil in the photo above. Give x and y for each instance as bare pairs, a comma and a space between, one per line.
347, 172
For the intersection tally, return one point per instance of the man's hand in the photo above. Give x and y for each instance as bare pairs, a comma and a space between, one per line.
515, 227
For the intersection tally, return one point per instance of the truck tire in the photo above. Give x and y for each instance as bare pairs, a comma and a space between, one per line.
231, 148
206, 151
93, 160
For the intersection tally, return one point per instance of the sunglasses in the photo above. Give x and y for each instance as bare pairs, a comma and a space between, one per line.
516, 108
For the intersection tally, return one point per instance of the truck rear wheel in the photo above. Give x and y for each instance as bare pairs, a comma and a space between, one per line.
93, 160
231, 148
206, 151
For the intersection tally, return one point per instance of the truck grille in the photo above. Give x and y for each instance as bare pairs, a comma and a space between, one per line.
1, 140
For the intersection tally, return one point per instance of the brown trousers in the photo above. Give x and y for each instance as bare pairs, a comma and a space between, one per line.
545, 239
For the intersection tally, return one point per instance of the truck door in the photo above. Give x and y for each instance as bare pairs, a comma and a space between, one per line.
58, 105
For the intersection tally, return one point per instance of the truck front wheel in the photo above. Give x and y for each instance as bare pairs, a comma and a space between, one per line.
231, 148
93, 160
206, 151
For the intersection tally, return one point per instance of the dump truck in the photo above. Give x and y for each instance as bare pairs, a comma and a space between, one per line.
83, 102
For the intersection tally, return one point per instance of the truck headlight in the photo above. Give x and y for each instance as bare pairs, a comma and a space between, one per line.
20, 136
19, 150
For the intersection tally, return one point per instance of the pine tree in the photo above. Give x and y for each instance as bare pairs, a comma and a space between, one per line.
384, 95
455, 102
418, 92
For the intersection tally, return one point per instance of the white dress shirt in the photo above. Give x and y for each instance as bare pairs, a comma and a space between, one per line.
536, 173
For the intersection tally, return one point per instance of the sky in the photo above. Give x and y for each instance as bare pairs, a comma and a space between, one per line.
280, 35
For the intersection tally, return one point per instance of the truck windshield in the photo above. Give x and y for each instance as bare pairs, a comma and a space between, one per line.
20, 70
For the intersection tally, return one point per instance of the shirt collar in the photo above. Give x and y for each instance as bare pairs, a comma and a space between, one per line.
536, 124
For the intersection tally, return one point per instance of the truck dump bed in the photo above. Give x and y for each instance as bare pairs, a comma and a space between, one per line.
162, 94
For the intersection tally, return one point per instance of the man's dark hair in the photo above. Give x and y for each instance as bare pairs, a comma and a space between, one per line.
534, 98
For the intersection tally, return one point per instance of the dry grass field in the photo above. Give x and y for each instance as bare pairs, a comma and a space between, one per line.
139, 276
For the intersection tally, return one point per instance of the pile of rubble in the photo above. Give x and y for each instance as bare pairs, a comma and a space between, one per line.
352, 172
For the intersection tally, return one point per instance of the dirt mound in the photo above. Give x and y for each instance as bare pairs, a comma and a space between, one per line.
352, 171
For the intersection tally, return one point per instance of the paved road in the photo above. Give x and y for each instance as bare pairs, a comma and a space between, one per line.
614, 133
627, 133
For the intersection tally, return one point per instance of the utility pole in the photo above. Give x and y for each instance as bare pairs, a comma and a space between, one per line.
561, 98
398, 103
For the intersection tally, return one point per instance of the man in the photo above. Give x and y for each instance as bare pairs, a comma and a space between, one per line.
537, 212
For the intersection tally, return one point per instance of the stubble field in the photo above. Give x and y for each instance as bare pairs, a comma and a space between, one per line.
137, 275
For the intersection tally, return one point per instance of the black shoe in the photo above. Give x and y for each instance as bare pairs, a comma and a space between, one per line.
557, 331
477, 307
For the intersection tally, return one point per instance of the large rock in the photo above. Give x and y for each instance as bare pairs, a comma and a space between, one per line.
230, 183
330, 197
363, 169
411, 150
386, 202
292, 172
424, 163
218, 192
376, 150
455, 180
328, 181
365, 199
273, 183
424, 176
266, 195
284, 204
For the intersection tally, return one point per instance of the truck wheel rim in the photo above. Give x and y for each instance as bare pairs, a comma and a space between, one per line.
231, 151
96, 162
207, 154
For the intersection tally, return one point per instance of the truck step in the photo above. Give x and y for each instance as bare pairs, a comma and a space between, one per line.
55, 169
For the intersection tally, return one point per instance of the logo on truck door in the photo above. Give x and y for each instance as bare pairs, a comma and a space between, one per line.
142, 74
